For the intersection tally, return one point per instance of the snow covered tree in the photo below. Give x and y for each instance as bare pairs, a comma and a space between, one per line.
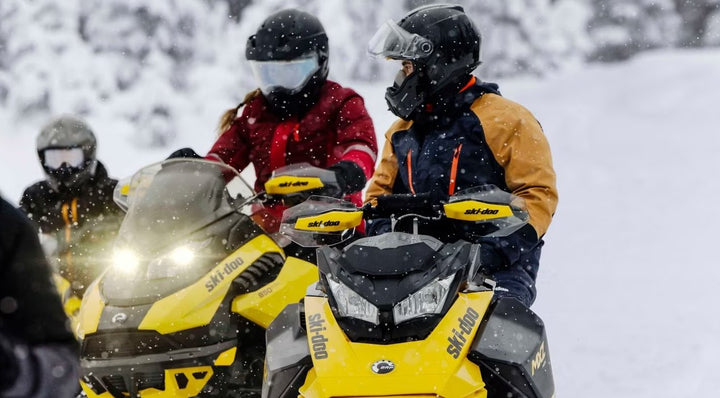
622, 28
699, 17
149, 43
38, 37
517, 36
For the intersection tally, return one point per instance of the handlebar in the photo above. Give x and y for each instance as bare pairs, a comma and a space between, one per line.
389, 206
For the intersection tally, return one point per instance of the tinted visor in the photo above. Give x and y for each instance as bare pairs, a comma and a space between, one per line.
290, 75
394, 42
54, 158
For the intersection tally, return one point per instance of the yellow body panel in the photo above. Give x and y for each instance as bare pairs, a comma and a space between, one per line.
92, 308
226, 358
284, 185
172, 389
473, 210
263, 305
195, 305
70, 302
433, 367
332, 221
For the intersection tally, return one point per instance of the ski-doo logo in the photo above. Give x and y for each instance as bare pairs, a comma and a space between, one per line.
293, 184
539, 360
480, 210
459, 336
320, 223
382, 366
317, 340
219, 274
120, 317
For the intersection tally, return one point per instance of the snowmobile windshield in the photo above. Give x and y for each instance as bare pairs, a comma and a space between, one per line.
168, 201
392, 41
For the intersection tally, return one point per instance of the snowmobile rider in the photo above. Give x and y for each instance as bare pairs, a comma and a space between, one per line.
73, 207
38, 353
456, 132
297, 115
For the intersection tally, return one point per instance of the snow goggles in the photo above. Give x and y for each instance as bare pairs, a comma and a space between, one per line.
392, 41
54, 158
291, 75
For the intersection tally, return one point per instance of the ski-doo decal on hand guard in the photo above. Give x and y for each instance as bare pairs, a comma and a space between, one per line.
334, 221
473, 210
284, 185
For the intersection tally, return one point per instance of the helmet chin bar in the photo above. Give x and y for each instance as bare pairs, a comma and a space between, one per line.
405, 99
286, 103
64, 177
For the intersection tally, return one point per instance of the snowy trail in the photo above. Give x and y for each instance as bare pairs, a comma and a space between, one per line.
629, 278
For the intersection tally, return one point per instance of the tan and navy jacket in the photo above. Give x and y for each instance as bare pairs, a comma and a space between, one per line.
483, 139
495, 141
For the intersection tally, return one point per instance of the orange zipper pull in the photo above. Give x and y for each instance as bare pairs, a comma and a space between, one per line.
453, 169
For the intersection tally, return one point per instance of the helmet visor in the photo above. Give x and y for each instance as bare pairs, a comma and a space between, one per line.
54, 158
394, 42
291, 75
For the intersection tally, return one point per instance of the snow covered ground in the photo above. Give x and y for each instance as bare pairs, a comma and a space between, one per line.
629, 279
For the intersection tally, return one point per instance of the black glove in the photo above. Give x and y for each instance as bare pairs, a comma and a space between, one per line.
491, 259
350, 176
184, 153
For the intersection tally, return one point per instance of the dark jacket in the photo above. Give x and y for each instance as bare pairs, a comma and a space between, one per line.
37, 349
479, 138
52, 210
336, 128
83, 222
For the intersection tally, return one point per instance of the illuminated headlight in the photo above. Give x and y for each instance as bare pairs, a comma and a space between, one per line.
176, 261
426, 301
182, 256
125, 261
351, 304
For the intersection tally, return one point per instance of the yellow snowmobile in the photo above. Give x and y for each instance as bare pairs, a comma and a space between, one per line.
78, 255
194, 283
403, 314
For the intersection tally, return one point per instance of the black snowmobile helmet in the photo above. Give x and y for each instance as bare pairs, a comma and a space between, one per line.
290, 35
67, 133
444, 46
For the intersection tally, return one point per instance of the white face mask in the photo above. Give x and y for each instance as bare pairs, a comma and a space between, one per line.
291, 75
54, 158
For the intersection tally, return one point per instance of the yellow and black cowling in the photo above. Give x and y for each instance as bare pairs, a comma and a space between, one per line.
408, 315
183, 310
396, 315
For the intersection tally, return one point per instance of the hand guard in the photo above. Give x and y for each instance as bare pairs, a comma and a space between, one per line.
295, 183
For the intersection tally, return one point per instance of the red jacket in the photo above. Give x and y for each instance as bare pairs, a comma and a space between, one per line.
336, 128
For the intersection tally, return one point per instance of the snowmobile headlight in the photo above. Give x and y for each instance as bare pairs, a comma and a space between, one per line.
125, 261
176, 261
428, 300
351, 304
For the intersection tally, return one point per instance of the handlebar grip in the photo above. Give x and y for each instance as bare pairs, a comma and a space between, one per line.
399, 204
